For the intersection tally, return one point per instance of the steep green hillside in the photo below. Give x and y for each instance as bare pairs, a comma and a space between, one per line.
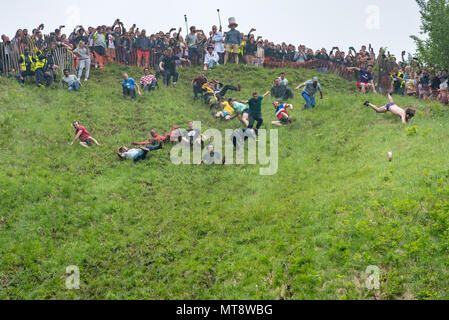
154, 230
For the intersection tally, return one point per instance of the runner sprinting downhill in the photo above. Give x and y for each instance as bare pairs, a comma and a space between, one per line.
406, 115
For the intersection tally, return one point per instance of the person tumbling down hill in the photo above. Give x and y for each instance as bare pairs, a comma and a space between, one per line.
282, 114
255, 110
154, 139
308, 93
84, 136
366, 79
228, 112
129, 86
242, 109
136, 154
193, 136
405, 115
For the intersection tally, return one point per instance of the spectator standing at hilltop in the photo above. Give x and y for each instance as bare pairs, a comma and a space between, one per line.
233, 41
217, 41
83, 54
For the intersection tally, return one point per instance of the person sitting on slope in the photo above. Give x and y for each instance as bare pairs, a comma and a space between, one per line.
405, 115
84, 136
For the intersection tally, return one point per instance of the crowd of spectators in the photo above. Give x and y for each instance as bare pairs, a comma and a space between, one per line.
166, 51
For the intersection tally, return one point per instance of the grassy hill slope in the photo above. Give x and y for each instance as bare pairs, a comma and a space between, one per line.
154, 230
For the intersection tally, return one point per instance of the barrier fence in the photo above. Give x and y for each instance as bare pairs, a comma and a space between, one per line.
10, 56
65, 59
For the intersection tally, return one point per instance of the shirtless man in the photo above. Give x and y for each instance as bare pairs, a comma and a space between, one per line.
405, 115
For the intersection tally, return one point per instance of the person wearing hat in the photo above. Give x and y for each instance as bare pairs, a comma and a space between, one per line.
233, 40
308, 93
211, 59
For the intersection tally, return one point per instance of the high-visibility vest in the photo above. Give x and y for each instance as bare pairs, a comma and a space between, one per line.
40, 63
23, 65
398, 75
241, 48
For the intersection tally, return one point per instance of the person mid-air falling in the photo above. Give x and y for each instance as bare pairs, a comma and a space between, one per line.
405, 115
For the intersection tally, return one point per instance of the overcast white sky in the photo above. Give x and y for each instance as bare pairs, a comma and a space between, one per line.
316, 24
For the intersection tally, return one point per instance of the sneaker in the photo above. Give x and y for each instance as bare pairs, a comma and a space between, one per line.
366, 104
85, 80
239, 87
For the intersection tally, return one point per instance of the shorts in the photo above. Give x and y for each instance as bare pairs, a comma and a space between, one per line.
284, 120
141, 53
232, 48
359, 84
87, 141
246, 111
226, 114
100, 50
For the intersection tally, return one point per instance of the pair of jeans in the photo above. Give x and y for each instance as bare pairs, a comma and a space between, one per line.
168, 74
42, 77
253, 117
74, 86
129, 92
150, 86
212, 63
310, 101
142, 155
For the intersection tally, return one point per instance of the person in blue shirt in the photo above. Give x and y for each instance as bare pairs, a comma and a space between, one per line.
129, 86
366, 79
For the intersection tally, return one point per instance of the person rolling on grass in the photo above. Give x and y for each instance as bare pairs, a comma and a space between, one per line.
136, 154
282, 114
242, 109
155, 139
255, 110
308, 93
129, 86
228, 112
366, 79
84, 136
405, 115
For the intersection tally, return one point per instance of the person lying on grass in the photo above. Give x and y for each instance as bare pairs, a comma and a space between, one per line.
282, 114
84, 136
405, 115
155, 139
228, 112
136, 154
212, 157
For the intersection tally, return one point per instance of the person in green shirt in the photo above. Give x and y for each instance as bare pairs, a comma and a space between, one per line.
242, 109
255, 109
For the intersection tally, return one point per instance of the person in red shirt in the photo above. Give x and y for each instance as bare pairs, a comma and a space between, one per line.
155, 139
84, 136
197, 85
